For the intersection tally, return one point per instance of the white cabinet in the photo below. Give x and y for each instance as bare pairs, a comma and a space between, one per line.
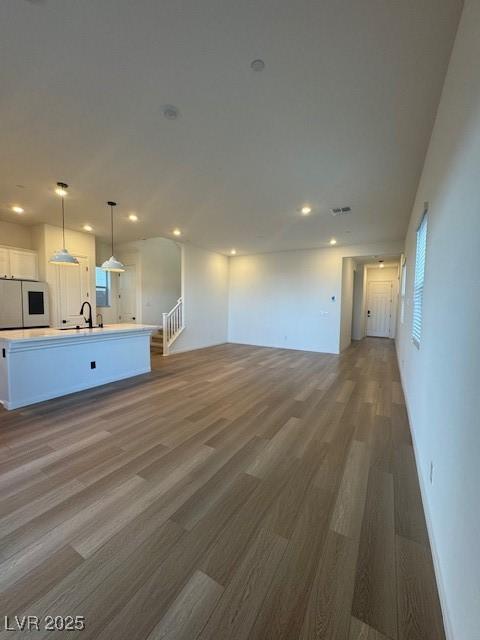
4, 263
23, 265
73, 290
18, 264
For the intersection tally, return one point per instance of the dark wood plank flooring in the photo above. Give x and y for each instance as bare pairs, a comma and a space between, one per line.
235, 492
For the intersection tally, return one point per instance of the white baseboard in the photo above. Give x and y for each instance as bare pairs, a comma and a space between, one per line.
279, 346
173, 352
436, 563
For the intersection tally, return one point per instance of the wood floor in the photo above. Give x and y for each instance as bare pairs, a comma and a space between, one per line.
234, 493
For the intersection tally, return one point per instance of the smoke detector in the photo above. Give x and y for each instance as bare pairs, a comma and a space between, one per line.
340, 211
170, 111
257, 65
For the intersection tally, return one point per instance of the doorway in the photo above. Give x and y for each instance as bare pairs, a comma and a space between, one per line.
73, 289
127, 294
379, 308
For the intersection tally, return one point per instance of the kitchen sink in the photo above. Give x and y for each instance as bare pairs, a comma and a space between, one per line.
78, 328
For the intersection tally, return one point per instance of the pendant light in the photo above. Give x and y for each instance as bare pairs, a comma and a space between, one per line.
63, 256
112, 264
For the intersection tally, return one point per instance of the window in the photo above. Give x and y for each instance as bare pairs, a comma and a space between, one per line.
419, 280
102, 280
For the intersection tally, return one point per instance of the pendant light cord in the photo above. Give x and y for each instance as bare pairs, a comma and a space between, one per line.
111, 217
63, 221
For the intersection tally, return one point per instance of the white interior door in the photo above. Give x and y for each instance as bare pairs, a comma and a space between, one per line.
127, 294
74, 289
379, 309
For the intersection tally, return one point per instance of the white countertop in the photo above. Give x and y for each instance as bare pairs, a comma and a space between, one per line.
32, 335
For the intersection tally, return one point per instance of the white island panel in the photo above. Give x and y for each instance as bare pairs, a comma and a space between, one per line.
40, 364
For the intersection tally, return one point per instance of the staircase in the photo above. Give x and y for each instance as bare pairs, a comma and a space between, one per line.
173, 325
156, 343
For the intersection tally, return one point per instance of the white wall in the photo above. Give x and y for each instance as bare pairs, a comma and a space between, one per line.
284, 299
15, 235
158, 265
160, 277
205, 291
441, 378
346, 313
359, 298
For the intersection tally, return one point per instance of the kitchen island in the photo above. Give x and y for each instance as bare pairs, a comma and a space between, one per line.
39, 364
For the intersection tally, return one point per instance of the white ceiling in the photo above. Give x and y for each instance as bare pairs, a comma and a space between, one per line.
341, 115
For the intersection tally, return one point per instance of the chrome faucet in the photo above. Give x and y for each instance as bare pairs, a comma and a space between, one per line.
88, 320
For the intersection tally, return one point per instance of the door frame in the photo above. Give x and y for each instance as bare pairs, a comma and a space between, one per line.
57, 306
393, 307
132, 261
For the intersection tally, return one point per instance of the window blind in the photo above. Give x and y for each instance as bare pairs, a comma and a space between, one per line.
418, 286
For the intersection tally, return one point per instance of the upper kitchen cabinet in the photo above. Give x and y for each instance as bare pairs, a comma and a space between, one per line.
23, 264
18, 264
4, 263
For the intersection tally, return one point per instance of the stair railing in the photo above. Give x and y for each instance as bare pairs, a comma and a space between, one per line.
173, 325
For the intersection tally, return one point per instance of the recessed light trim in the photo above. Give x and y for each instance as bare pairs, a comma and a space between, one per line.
133, 217
306, 209
17, 209
333, 242
233, 252
177, 232
87, 227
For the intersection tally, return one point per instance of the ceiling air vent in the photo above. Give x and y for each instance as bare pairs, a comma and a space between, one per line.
340, 211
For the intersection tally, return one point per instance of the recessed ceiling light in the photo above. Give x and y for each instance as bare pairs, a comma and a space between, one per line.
333, 241
233, 252
257, 65
306, 209
87, 227
133, 217
17, 209
177, 232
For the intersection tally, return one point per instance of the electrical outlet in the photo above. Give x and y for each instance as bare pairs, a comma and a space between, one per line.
431, 472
